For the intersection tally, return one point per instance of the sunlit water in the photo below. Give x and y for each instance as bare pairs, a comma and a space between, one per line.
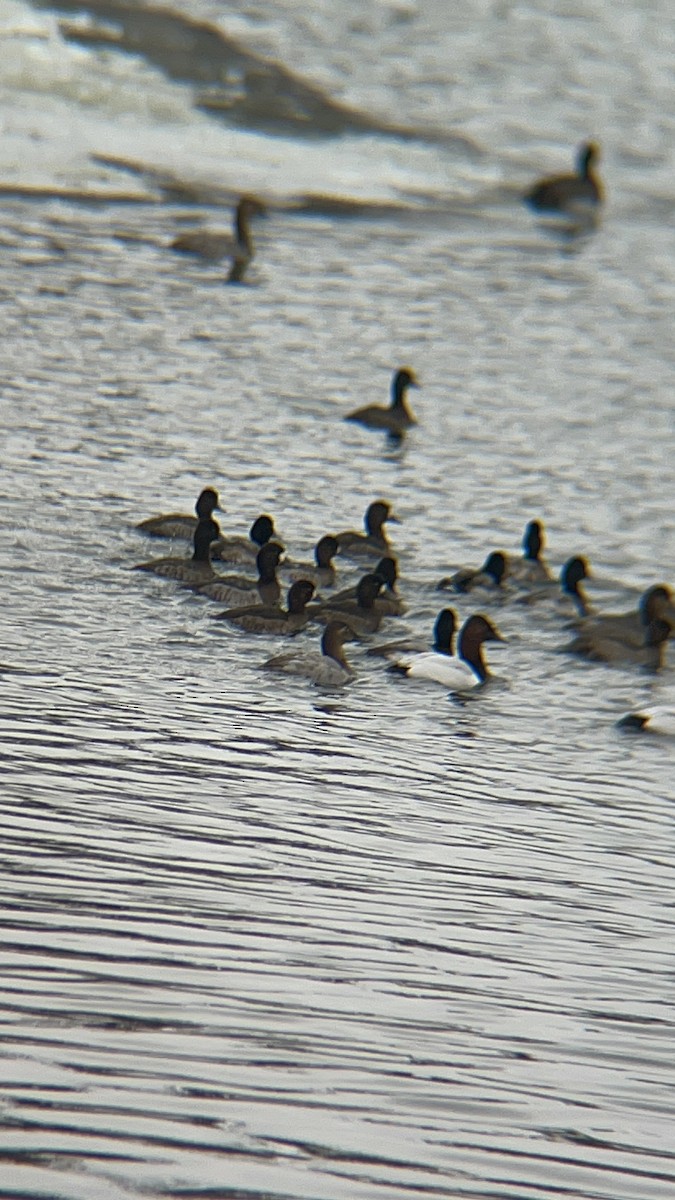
265, 941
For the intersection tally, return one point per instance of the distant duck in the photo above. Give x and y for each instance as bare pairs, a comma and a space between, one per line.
629, 627
373, 543
561, 193
360, 614
181, 525
445, 627
467, 670
388, 602
397, 417
566, 591
490, 576
604, 648
193, 570
327, 669
322, 572
211, 245
234, 548
272, 618
238, 590
531, 568
654, 719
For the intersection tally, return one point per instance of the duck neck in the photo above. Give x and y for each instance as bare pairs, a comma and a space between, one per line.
470, 650
399, 389
243, 231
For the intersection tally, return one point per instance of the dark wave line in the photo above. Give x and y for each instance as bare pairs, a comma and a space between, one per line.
261, 94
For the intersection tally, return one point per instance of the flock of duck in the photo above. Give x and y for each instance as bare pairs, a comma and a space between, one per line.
576, 195
455, 656
243, 573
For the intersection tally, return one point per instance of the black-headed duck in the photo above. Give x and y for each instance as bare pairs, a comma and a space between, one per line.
212, 245
322, 572
628, 627
604, 648
388, 602
490, 576
374, 542
234, 548
272, 618
531, 568
397, 417
445, 627
466, 670
327, 669
238, 590
564, 591
560, 193
193, 570
360, 614
181, 525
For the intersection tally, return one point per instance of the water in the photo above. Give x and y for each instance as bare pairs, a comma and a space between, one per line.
262, 940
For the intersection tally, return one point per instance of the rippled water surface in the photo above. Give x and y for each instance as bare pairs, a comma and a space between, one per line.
262, 940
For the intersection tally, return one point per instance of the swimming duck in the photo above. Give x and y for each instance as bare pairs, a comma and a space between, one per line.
490, 576
531, 568
395, 419
563, 192
466, 670
234, 548
360, 614
388, 602
322, 572
657, 719
193, 570
603, 648
237, 590
212, 245
272, 618
627, 627
327, 669
374, 541
181, 525
567, 589
445, 626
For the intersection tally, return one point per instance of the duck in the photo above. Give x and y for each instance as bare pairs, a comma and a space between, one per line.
659, 718
560, 193
360, 614
212, 245
236, 589
182, 525
271, 618
193, 570
629, 627
567, 588
329, 668
467, 670
234, 548
650, 654
374, 542
397, 417
390, 604
445, 627
531, 568
490, 576
322, 572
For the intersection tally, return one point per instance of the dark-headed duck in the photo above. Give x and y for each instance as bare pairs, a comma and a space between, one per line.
397, 417
560, 193
327, 669
181, 525
273, 618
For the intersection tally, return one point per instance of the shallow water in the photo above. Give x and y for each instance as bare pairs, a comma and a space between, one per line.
262, 940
